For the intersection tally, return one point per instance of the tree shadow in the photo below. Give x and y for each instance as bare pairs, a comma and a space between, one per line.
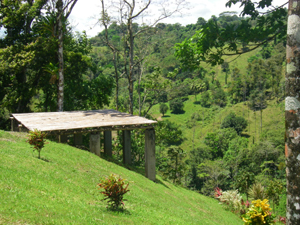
166, 116
245, 135
179, 112
196, 102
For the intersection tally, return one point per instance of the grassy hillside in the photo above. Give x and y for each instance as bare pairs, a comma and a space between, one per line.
272, 119
62, 189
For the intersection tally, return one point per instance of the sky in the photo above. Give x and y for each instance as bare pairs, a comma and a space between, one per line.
85, 13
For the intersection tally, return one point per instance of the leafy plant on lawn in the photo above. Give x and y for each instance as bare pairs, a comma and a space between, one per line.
114, 190
259, 213
257, 191
231, 199
38, 140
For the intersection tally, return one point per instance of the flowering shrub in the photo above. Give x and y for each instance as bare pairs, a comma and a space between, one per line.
258, 214
282, 219
114, 189
218, 192
37, 139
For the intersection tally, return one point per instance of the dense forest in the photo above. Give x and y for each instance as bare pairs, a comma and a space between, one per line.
210, 132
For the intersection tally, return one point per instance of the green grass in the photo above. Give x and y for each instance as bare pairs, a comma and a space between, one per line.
62, 189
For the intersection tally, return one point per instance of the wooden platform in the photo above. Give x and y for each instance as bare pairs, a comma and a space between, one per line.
79, 120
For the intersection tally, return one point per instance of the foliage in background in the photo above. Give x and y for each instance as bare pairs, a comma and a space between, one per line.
114, 190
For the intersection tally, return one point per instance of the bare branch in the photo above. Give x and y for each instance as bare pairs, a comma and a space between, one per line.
71, 8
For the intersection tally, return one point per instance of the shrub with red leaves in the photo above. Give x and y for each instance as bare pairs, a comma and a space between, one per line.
114, 189
218, 192
282, 219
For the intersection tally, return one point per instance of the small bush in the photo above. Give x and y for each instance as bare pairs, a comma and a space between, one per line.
163, 108
114, 190
176, 105
37, 139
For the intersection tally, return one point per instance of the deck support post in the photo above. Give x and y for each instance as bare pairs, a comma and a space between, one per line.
107, 143
78, 139
63, 138
13, 124
95, 143
126, 147
150, 154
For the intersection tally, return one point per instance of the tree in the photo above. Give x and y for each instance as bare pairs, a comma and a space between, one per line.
236, 122
154, 86
226, 70
213, 41
292, 107
163, 108
219, 141
268, 28
175, 166
128, 12
60, 17
205, 99
176, 105
29, 62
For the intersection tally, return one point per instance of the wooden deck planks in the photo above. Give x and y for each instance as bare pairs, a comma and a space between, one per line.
52, 121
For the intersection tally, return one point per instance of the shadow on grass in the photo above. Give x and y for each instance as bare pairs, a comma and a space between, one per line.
165, 116
44, 159
178, 112
118, 210
158, 181
196, 102
140, 170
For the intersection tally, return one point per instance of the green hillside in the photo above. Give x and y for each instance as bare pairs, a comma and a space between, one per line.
62, 189
272, 120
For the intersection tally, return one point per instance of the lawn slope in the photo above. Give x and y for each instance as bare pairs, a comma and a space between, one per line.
62, 189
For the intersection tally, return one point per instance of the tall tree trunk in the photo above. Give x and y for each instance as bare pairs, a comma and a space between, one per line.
130, 75
292, 114
260, 121
60, 95
254, 127
105, 20
117, 80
